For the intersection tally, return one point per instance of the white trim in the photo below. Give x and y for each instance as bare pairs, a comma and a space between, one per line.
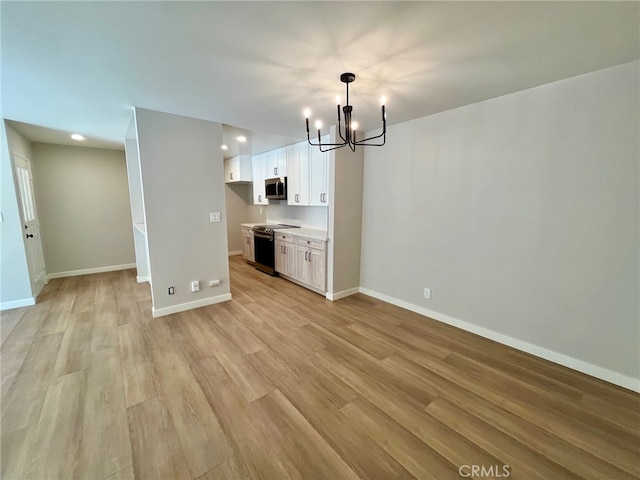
25, 302
344, 293
565, 360
235, 252
181, 307
89, 271
143, 279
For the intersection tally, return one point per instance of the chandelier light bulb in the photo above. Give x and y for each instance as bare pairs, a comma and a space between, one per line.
337, 99
318, 124
354, 125
306, 112
383, 100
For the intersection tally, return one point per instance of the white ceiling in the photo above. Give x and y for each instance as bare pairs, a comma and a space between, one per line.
82, 66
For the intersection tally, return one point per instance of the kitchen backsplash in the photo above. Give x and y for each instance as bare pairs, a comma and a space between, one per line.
310, 217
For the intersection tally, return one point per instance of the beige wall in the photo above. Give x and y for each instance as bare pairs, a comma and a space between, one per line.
521, 214
182, 182
83, 203
240, 209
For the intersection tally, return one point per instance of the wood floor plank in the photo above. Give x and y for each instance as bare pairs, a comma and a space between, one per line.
417, 457
138, 369
156, 451
57, 441
106, 449
308, 452
363, 455
203, 441
231, 469
455, 448
555, 448
522, 462
251, 442
75, 350
15, 348
23, 402
554, 422
243, 374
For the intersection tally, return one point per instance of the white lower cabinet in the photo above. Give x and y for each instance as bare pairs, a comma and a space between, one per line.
248, 251
285, 256
302, 259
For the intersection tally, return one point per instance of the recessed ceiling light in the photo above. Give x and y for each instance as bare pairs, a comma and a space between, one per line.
223, 147
77, 136
241, 138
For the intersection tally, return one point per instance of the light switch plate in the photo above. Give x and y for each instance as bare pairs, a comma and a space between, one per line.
214, 217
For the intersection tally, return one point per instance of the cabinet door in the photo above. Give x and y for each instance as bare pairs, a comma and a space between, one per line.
318, 177
231, 169
281, 258
290, 259
317, 268
259, 174
302, 264
298, 174
281, 159
272, 164
252, 251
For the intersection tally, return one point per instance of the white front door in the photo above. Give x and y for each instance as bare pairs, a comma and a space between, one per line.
31, 227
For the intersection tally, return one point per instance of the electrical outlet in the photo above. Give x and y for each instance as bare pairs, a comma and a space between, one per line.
427, 293
214, 283
172, 290
214, 217
195, 286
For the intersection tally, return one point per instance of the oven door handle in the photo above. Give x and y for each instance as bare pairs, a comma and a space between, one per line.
263, 236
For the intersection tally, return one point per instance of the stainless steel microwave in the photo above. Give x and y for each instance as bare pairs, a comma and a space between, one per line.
276, 188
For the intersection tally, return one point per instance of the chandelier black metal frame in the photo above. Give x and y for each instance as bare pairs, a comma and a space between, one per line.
348, 134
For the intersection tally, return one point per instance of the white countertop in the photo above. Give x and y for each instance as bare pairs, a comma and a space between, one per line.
300, 232
307, 233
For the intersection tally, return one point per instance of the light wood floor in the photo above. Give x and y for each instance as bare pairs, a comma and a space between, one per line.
280, 383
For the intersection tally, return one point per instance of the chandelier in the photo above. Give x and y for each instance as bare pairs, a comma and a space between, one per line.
348, 132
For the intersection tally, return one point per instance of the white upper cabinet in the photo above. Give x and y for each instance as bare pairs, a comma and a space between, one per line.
259, 175
298, 174
319, 176
238, 169
276, 163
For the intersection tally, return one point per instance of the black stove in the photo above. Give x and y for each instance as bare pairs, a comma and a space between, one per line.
263, 240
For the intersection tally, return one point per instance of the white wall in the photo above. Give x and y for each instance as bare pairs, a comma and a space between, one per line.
521, 213
310, 217
15, 285
83, 204
183, 180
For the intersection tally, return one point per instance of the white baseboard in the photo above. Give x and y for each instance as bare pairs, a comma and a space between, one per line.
159, 312
342, 294
143, 279
564, 360
24, 302
89, 271
235, 252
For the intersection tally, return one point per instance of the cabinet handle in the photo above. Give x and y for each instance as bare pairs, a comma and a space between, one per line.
231, 176
305, 256
309, 257
259, 198
275, 170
